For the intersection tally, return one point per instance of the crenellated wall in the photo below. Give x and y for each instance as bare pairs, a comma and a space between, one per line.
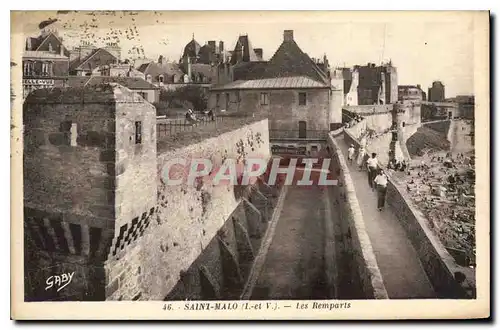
183, 225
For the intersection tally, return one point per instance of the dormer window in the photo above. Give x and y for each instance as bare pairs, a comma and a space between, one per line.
148, 78
50, 47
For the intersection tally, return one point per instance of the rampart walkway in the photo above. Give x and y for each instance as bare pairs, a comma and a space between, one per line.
399, 265
294, 266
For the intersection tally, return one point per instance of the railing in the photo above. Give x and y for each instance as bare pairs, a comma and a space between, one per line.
306, 135
171, 127
174, 126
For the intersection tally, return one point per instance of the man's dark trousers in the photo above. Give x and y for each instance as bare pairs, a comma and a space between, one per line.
372, 172
381, 192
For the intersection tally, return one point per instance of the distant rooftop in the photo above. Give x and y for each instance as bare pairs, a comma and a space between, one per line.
273, 83
128, 82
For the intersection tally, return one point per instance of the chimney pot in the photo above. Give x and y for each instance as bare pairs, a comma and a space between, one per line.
288, 35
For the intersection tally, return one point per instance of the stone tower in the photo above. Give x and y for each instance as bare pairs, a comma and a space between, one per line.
89, 155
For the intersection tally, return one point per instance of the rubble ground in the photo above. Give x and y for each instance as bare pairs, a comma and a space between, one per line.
442, 187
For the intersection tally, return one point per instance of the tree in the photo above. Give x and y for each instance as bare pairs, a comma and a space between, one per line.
189, 96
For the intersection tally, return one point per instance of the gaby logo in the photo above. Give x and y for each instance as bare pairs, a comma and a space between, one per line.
289, 171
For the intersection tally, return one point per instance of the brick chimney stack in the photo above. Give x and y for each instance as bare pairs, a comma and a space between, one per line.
288, 35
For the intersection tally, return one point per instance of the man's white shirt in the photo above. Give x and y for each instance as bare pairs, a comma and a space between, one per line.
372, 162
381, 179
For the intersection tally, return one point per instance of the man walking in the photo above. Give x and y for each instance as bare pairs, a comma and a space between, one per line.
381, 182
372, 169
350, 153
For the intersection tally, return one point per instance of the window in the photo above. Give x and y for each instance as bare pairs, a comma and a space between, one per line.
160, 79
264, 99
148, 78
73, 134
403, 124
302, 130
138, 132
302, 99
144, 95
217, 98
227, 101
70, 131
45, 68
28, 68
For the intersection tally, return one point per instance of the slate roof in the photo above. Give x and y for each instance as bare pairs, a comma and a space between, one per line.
248, 52
129, 82
157, 69
300, 82
191, 49
288, 61
79, 62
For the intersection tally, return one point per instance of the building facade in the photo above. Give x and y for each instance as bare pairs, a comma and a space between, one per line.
86, 58
436, 92
410, 93
146, 90
466, 106
377, 84
298, 96
45, 62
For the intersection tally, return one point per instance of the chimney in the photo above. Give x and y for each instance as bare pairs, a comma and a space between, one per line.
258, 52
221, 46
418, 86
211, 44
28, 43
288, 35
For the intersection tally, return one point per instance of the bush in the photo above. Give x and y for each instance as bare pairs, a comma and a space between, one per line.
192, 96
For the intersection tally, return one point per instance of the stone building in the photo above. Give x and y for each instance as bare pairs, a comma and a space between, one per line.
146, 90
45, 62
377, 84
97, 206
350, 76
436, 92
410, 93
162, 72
84, 167
466, 106
200, 63
297, 94
86, 58
118, 70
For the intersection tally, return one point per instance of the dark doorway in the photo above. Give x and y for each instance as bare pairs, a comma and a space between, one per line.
302, 130
450, 115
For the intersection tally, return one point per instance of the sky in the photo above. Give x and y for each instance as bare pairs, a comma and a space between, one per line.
423, 46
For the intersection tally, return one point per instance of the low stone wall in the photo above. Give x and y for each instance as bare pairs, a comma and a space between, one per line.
364, 110
357, 129
356, 240
438, 264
